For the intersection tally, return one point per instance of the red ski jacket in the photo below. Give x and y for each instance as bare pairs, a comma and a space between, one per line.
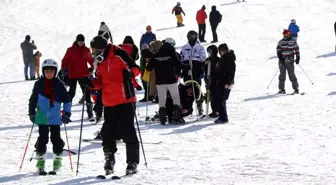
75, 61
116, 88
201, 16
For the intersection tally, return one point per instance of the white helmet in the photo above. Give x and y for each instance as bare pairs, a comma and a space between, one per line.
170, 41
49, 63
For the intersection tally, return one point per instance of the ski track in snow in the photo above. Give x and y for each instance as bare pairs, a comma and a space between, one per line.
269, 140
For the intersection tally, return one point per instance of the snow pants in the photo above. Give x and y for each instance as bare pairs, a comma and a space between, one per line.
201, 31
179, 19
55, 137
174, 93
289, 67
119, 124
214, 32
221, 95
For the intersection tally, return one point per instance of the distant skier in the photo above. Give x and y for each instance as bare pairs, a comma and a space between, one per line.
178, 10
193, 56
294, 29
45, 111
28, 58
335, 28
37, 57
215, 19
224, 80
105, 31
147, 37
286, 49
201, 16
239, 1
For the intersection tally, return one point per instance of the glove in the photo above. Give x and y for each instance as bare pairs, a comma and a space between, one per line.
297, 60
32, 117
33, 42
66, 117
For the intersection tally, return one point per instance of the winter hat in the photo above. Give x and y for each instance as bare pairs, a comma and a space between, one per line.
223, 47
80, 38
213, 8
98, 42
128, 40
155, 46
203, 7
149, 28
102, 23
286, 33
27, 37
144, 46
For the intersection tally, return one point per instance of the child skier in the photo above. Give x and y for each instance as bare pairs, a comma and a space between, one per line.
45, 111
178, 10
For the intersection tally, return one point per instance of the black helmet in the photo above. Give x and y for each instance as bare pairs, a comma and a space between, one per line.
98, 42
192, 35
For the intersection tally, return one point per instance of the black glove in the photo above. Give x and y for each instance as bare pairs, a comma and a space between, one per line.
66, 117
32, 117
297, 60
33, 42
88, 82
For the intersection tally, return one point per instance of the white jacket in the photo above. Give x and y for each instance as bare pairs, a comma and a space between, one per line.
195, 53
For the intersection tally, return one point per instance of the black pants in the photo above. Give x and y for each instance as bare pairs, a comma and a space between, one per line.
289, 67
55, 137
119, 124
214, 32
221, 95
196, 72
201, 31
82, 82
213, 100
98, 108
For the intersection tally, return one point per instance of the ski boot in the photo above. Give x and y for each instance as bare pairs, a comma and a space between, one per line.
132, 168
214, 115
282, 91
109, 163
90, 112
296, 91
162, 114
57, 164
40, 164
177, 115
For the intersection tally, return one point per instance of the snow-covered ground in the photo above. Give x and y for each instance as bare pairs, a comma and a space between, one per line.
269, 140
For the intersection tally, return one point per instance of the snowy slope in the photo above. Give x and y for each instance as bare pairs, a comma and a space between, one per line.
269, 140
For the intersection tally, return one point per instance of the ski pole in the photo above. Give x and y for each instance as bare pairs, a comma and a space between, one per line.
274, 76
193, 87
136, 120
25, 151
81, 131
306, 75
67, 140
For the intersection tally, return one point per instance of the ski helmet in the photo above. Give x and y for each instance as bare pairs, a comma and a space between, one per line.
98, 42
192, 35
49, 63
293, 21
178, 4
171, 41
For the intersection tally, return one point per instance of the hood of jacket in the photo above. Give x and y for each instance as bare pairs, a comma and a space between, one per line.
213, 49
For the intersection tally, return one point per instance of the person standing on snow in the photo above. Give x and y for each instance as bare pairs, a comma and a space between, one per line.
215, 19
45, 111
212, 60
286, 49
167, 69
114, 78
146, 55
201, 16
178, 10
105, 31
75, 61
223, 80
294, 29
147, 37
193, 57
28, 58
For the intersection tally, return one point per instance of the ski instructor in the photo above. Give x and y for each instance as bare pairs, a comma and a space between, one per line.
114, 77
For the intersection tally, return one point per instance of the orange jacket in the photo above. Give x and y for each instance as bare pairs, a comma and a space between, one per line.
201, 16
112, 81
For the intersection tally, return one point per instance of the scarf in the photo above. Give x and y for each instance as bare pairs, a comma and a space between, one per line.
48, 90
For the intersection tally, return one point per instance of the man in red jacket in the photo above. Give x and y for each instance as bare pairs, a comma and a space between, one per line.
201, 16
114, 77
76, 61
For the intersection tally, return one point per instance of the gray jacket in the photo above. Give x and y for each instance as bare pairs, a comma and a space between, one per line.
28, 51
